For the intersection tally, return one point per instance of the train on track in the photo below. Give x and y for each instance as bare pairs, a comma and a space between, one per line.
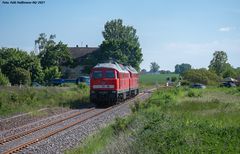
111, 82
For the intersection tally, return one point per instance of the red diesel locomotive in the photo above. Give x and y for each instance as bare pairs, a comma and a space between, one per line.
112, 82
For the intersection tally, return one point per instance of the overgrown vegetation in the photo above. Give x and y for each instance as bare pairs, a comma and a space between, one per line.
21, 67
203, 76
178, 121
219, 69
3, 79
24, 99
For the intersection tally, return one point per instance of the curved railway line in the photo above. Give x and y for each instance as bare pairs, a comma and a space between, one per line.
94, 113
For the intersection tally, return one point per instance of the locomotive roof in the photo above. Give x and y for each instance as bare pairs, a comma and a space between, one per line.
115, 66
131, 69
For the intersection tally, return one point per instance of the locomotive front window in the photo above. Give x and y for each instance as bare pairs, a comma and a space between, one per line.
109, 74
97, 74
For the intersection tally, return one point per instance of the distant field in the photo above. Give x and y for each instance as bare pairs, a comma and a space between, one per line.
152, 79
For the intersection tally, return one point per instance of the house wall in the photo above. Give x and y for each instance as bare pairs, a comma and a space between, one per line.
72, 73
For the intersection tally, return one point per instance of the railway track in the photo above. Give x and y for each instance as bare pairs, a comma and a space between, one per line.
35, 139
24, 133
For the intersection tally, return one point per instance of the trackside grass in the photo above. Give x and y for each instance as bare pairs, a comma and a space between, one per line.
95, 143
177, 121
15, 100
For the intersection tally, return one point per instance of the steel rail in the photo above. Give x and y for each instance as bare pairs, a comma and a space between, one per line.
22, 134
24, 145
27, 144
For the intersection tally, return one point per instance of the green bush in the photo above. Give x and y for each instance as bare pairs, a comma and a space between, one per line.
12, 59
201, 76
174, 78
3, 80
52, 73
120, 125
194, 93
230, 73
136, 106
82, 86
20, 76
185, 83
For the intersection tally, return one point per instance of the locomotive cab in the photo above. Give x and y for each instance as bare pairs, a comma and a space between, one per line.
109, 83
103, 85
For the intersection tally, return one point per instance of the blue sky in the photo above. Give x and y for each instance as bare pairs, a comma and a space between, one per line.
170, 31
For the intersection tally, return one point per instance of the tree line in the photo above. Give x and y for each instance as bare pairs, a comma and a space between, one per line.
20, 67
218, 69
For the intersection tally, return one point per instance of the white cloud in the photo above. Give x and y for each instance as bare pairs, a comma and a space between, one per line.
225, 29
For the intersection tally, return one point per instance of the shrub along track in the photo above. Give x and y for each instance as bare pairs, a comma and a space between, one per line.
76, 119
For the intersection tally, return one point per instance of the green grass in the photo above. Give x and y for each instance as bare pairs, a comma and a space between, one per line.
152, 79
95, 143
179, 121
205, 123
15, 100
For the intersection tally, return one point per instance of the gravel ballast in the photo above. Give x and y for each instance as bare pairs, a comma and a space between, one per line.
74, 136
70, 137
26, 118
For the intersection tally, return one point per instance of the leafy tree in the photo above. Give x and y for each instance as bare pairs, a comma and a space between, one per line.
52, 73
180, 69
36, 70
120, 43
238, 72
43, 42
229, 71
3, 79
20, 76
15, 58
218, 62
55, 55
154, 67
52, 53
201, 76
